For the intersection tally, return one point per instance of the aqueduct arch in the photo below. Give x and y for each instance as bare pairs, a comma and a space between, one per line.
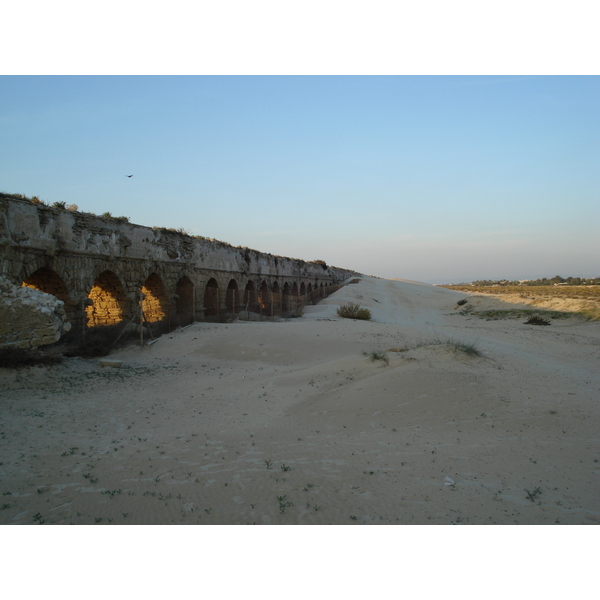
264, 299
155, 303
108, 301
48, 281
211, 299
249, 296
285, 297
184, 301
276, 298
232, 297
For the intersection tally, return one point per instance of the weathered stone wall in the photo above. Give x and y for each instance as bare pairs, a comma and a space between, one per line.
103, 269
29, 317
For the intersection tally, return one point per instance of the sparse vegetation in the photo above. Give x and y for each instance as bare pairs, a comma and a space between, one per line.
468, 348
585, 293
179, 230
518, 313
33, 199
320, 262
283, 503
377, 356
108, 215
354, 311
533, 495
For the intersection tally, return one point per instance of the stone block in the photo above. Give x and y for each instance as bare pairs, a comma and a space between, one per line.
47, 331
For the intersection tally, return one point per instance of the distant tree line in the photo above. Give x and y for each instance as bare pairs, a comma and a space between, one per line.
543, 281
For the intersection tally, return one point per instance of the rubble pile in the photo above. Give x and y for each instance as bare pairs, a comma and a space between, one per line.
28, 317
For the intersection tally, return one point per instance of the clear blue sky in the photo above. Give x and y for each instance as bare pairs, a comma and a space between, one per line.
433, 178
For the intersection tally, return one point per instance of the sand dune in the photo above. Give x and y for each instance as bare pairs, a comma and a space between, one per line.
290, 422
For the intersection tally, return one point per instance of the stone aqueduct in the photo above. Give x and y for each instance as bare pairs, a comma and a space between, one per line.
106, 269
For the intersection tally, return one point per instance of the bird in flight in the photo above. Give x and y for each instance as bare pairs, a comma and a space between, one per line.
129, 176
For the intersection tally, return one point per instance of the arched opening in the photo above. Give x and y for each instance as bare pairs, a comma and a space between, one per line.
50, 282
302, 289
309, 294
249, 297
109, 302
264, 301
211, 299
154, 303
232, 299
276, 299
294, 298
285, 298
184, 302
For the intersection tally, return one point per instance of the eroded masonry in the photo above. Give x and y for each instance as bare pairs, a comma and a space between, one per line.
107, 271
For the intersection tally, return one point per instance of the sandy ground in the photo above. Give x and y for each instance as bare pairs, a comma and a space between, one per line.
290, 422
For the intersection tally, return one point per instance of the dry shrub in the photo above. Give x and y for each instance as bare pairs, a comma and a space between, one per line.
535, 320
354, 311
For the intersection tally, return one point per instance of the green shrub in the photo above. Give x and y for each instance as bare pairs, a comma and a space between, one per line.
109, 215
354, 311
375, 356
